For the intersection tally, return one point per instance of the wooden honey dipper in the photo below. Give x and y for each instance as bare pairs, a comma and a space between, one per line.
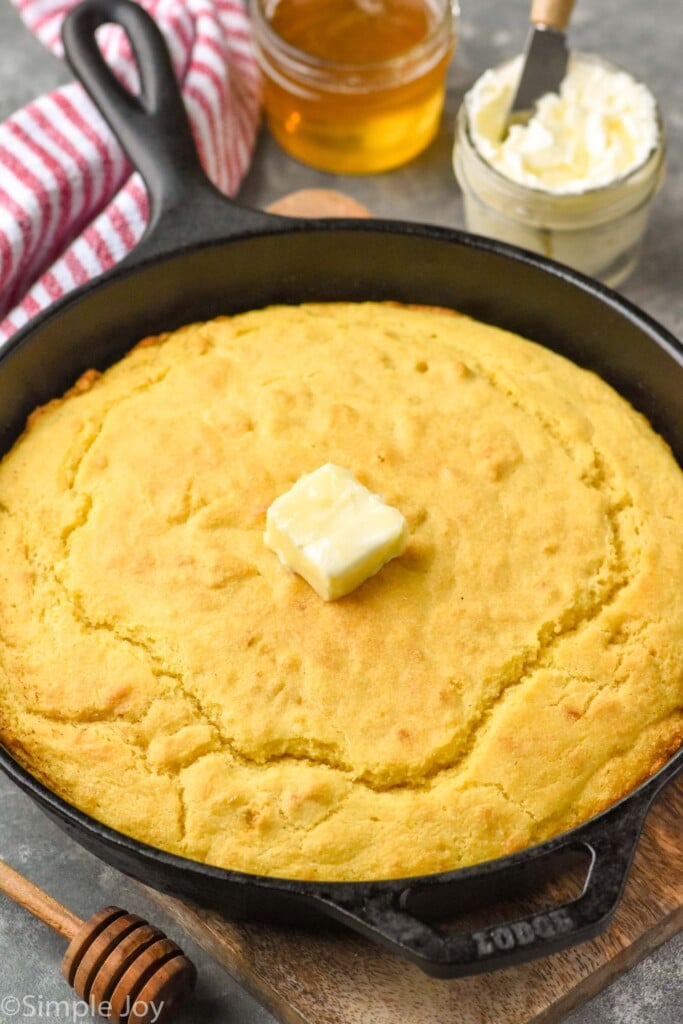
115, 961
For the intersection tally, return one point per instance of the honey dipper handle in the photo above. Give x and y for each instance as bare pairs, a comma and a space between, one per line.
42, 906
552, 13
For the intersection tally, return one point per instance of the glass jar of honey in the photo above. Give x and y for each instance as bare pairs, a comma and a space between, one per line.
354, 86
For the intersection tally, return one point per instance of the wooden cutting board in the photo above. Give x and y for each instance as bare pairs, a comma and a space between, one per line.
332, 976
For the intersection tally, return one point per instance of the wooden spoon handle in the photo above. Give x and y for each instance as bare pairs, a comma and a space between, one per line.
42, 906
552, 13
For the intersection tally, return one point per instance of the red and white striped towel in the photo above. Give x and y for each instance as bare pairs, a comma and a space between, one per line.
70, 207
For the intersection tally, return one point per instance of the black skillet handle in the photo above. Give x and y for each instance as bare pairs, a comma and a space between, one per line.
391, 915
154, 131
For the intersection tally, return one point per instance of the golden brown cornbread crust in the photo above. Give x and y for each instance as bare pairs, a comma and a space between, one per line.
519, 668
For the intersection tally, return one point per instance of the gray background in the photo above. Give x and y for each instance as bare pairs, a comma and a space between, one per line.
643, 37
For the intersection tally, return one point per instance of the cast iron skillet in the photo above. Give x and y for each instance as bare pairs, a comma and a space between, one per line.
204, 255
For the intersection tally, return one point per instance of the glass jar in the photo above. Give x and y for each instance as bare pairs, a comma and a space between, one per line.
353, 117
598, 231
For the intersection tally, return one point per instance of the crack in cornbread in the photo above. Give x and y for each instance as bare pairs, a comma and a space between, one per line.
516, 670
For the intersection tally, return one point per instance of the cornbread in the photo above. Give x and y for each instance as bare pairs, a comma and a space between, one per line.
516, 670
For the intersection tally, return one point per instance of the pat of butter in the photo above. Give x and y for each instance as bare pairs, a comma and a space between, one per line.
334, 532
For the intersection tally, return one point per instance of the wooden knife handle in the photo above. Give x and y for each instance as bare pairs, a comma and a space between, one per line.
552, 13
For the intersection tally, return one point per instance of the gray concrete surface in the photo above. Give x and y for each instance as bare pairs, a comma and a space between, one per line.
642, 37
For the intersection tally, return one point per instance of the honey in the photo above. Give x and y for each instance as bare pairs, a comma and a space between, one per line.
354, 86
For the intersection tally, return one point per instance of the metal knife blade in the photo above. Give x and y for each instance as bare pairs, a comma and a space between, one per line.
545, 57
545, 65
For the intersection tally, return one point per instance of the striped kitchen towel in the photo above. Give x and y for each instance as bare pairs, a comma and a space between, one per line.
70, 206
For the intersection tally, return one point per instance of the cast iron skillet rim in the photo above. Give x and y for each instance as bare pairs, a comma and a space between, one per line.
284, 226
646, 791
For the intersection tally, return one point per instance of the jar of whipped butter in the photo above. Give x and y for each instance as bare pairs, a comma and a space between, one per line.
576, 182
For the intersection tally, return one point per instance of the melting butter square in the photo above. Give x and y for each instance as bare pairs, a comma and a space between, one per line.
333, 531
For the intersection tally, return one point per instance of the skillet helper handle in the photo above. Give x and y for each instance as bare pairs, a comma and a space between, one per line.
152, 128
553, 14
390, 915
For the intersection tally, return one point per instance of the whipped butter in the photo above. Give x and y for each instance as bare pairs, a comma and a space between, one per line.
576, 182
333, 531
601, 126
